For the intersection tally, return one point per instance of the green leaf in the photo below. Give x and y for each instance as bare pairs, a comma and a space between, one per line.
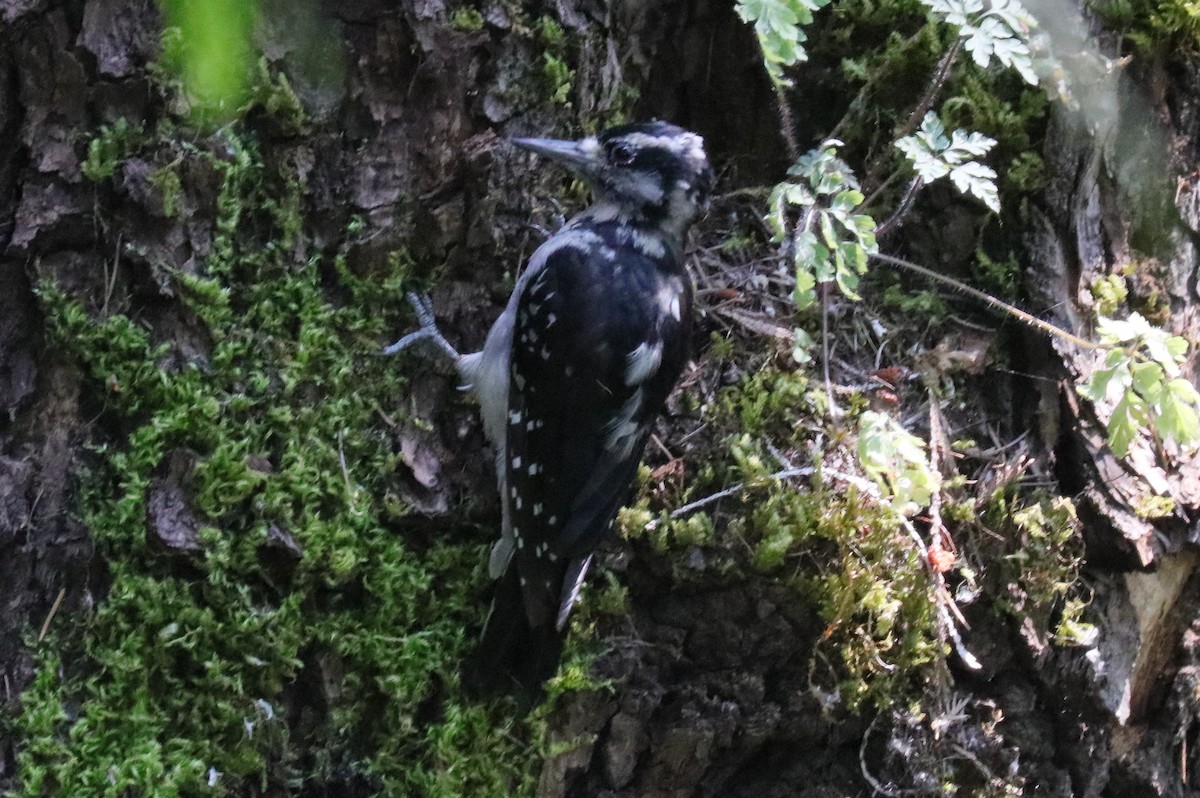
804, 296
1178, 417
1147, 380
802, 344
1097, 386
1177, 348
848, 200
1128, 417
978, 180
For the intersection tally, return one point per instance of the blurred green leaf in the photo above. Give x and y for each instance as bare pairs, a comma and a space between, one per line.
215, 53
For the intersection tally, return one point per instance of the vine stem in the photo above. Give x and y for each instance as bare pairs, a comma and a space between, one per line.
892, 222
991, 301
940, 74
787, 125
935, 85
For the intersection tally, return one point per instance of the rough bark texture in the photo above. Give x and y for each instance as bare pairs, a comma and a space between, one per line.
713, 680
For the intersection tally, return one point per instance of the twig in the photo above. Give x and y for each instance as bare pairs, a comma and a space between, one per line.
834, 412
787, 127
989, 300
351, 493
940, 73
863, 485
906, 202
111, 280
876, 784
58, 600
935, 85
692, 507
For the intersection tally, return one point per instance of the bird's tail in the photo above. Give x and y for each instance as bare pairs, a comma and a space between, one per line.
513, 656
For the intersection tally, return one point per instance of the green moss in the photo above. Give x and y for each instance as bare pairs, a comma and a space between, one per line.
924, 304
843, 553
558, 78
1154, 26
468, 20
166, 180
273, 93
111, 145
1110, 292
1035, 545
998, 276
867, 579
176, 683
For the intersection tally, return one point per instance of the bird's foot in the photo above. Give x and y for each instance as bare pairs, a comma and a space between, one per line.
428, 331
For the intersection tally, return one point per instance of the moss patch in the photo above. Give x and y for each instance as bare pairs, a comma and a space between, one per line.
300, 635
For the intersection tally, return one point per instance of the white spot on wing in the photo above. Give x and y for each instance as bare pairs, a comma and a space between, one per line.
643, 362
622, 430
668, 300
649, 245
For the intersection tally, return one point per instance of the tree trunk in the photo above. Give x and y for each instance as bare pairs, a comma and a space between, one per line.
379, 165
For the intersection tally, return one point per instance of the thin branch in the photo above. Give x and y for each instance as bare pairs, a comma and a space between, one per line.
692, 507
788, 473
906, 203
991, 301
787, 125
935, 85
834, 412
940, 74
58, 600
876, 784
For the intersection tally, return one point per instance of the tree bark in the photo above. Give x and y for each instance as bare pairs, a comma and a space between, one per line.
712, 678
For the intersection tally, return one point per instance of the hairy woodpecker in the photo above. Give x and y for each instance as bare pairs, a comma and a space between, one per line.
572, 376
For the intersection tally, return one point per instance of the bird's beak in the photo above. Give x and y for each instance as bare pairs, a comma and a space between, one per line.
571, 154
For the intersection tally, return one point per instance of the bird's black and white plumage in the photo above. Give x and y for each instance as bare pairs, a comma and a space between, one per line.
574, 373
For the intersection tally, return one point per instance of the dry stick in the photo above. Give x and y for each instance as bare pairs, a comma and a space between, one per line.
879, 787
834, 412
788, 473
989, 300
58, 600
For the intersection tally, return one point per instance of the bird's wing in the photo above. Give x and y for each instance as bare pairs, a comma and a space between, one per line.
592, 361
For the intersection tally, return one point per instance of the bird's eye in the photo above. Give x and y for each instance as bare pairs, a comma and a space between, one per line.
621, 154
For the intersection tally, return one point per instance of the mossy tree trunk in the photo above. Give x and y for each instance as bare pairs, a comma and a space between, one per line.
280, 464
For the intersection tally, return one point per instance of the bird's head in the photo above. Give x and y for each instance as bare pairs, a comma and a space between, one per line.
655, 172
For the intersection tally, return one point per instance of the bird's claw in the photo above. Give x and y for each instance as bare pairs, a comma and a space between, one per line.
428, 331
